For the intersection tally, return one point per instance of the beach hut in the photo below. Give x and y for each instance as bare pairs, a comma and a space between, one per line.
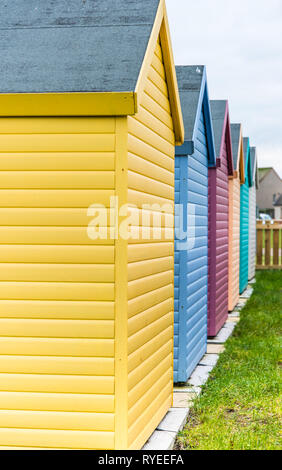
235, 182
244, 219
219, 218
191, 197
90, 112
252, 212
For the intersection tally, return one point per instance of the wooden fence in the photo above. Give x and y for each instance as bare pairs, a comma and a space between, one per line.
269, 245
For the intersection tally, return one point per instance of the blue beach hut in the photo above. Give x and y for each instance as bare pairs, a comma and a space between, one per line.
191, 222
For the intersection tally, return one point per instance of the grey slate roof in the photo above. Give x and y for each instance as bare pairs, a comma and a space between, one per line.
73, 45
253, 157
190, 80
246, 142
235, 137
218, 110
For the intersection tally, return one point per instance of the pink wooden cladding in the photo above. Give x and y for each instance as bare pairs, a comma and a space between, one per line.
218, 245
234, 242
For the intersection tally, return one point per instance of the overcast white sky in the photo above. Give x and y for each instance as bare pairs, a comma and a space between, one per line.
240, 42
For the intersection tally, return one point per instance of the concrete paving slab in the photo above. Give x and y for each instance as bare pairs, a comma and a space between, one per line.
174, 420
233, 320
253, 281
235, 314
215, 348
161, 440
187, 388
209, 360
247, 294
182, 400
200, 375
223, 335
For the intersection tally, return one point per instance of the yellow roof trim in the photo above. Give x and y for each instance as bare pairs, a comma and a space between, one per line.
161, 28
68, 104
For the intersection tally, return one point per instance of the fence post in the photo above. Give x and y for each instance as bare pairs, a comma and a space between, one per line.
259, 244
275, 246
267, 245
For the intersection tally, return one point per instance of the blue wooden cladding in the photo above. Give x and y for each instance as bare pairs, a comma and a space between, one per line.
244, 219
191, 199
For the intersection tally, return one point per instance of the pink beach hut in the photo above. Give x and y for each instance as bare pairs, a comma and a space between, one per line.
219, 218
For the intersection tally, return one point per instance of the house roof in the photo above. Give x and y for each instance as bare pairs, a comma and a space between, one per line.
263, 172
82, 58
190, 83
246, 146
193, 91
254, 168
74, 46
218, 110
279, 201
221, 128
247, 160
237, 151
236, 130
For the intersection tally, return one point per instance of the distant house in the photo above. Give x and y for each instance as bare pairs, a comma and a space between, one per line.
278, 208
270, 189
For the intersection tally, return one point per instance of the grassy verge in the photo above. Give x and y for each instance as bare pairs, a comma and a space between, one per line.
240, 407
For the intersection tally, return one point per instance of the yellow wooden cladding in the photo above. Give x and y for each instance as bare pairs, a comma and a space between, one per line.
35, 217
57, 180
59, 365
59, 161
57, 272
57, 328
48, 309
151, 146
57, 383
48, 198
60, 439
57, 402
64, 254
86, 325
56, 346
57, 420
57, 286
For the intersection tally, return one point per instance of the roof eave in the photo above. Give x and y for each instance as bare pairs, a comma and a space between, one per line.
161, 28
204, 102
226, 135
241, 160
68, 104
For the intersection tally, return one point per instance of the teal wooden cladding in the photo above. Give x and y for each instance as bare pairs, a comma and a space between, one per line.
244, 220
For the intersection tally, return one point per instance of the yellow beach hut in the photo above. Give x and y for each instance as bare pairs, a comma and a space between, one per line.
90, 112
235, 182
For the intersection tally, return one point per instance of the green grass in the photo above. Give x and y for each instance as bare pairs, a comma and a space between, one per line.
240, 406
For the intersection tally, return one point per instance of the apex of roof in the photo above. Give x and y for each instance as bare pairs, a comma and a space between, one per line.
218, 110
263, 172
191, 79
254, 168
74, 46
236, 130
246, 146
